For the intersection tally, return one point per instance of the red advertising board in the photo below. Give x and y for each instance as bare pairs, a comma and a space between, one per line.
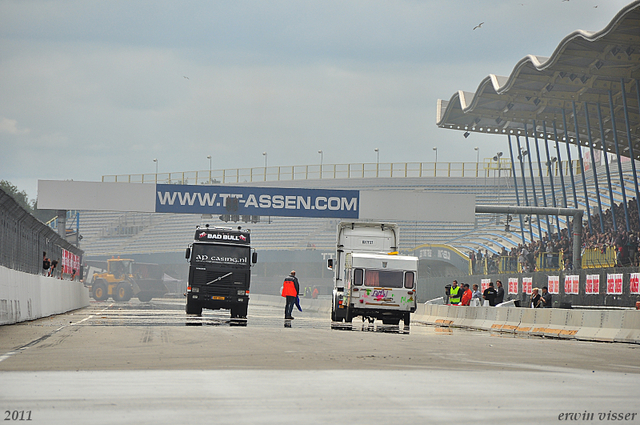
634, 283
527, 285
592, 285
70, 261
484, 284
572, 284
614, 283
553, 284
513, 285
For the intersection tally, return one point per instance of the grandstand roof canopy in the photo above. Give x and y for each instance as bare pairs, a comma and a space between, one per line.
584, 68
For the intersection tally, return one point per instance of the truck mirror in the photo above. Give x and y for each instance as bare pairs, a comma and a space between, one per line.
330, 263
187, 254
254, 257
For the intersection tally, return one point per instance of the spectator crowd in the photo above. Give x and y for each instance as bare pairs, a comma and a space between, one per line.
556, 249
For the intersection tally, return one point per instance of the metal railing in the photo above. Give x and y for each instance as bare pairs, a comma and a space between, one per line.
592, 258
484, 169
23, 239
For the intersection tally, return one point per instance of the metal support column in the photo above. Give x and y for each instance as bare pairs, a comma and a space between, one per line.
606, 164
577, 221
566, 141
533, 180
631, 154
551, 176
515, 184
564, 188
615, 139
593, 165
544, 195
584, 178
524, 184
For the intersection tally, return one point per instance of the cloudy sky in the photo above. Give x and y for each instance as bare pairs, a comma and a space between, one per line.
92, 88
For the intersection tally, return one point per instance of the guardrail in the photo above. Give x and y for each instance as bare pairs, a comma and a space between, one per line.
485, 169
588, 325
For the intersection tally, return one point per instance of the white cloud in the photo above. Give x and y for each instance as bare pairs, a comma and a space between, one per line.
10, 126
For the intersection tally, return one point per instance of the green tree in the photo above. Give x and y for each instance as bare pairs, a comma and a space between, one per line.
22, 199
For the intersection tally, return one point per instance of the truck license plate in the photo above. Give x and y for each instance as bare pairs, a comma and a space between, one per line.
217, 298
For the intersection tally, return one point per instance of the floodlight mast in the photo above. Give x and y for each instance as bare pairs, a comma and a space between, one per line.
574, 212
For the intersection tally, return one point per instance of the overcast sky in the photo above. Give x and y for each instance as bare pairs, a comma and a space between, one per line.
91, 88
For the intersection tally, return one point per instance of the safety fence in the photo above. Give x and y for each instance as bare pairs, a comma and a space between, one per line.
23, 239
488, 168
592, 258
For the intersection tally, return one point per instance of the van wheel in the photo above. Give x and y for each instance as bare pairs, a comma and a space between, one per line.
100, 291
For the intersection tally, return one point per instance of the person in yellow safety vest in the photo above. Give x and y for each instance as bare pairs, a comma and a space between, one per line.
455, 293
290, 290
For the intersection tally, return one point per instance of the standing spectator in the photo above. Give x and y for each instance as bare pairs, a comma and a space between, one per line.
545, 299
490, 294
46, 264
455, 293
534, 301
476, 292
290, 290
466, 296
499, 292
52, 270
472, 257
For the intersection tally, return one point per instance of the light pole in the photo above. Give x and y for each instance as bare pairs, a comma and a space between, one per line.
435, 164
321, 161
265, 165
156, 161
209, 158
477, 149
377, 151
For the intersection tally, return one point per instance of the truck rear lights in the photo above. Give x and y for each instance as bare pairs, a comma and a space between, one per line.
188, 288
361, 301
340, 302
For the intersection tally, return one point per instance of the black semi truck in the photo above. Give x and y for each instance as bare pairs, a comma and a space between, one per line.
220, 262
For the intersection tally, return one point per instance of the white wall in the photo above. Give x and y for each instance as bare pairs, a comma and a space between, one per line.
25, 296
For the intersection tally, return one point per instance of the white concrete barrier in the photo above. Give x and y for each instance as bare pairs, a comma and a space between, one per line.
590, 324
541, 321
630, 329
25, 296
514, 317
501, 318
611, 325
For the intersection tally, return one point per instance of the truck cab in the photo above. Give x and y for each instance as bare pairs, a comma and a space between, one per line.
220, 261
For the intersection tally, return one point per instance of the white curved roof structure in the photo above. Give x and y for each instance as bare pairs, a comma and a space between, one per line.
586, 69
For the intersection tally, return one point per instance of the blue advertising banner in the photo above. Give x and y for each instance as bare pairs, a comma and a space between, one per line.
263, 201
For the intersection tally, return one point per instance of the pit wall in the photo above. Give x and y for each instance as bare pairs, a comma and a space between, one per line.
588, 325
25, 296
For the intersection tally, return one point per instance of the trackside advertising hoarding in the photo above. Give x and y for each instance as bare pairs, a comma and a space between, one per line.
263, 201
